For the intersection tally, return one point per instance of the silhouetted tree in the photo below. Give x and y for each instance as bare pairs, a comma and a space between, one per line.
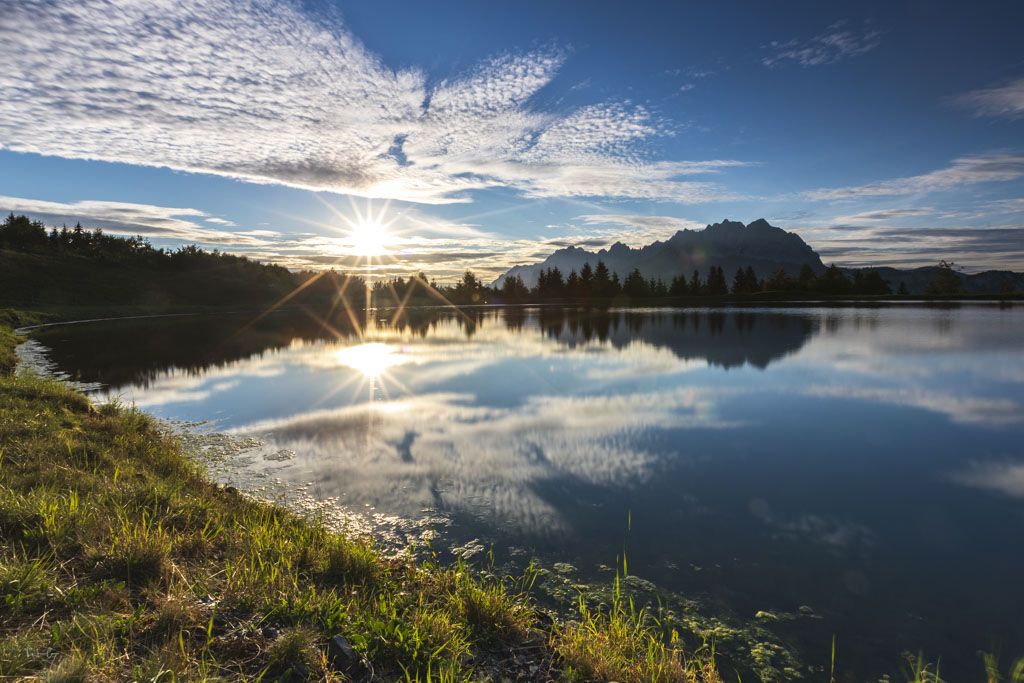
586, 281
833, 281
946, 281
550, 284
807, 280
678, 286
514, 289
635, 286
870, 282
696, 286
716, 282
572, 284
745, 281
602, 284
779, 282
469, 290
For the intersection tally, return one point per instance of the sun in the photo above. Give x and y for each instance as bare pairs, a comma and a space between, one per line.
369, 238
371, 359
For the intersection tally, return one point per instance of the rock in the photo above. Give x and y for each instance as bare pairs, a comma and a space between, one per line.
299, 672
343, 657
269, 632
230, 490
804, 609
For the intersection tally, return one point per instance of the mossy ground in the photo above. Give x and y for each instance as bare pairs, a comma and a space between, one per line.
120, 560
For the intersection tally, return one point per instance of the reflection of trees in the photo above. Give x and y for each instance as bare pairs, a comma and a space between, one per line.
136, 351
123, 352
728, 339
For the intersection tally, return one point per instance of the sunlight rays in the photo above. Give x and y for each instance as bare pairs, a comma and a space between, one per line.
367, 239
371, 359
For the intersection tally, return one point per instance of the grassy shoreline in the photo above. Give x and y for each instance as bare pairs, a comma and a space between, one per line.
121, 560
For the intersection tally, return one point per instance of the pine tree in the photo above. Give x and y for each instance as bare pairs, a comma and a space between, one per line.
696, 287
678, 286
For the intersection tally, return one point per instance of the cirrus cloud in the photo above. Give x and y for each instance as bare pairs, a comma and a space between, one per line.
1002, 101
833, 45
128, 218
269, 93
969, 170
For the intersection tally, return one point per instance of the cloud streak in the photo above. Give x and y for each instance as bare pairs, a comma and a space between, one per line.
134, 219
1006, 101
970, 170
835, 44
269, 93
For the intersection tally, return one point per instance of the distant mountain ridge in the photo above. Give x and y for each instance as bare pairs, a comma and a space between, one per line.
732, 245
729, 244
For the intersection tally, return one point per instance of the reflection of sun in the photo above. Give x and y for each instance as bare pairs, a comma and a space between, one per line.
372, 359
369, 238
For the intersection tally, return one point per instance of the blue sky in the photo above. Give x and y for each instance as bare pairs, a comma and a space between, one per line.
488, 134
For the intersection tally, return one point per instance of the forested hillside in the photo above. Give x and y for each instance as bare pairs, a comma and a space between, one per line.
76, 267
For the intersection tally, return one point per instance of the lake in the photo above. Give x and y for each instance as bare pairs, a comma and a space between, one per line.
865, 464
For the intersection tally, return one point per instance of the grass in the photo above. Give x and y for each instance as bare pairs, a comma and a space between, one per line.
121, 560
623, 643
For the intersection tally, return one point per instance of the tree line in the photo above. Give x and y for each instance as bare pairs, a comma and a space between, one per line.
600, 283
216, 277
96, 268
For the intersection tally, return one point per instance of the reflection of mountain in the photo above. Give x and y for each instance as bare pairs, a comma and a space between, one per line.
119, 353
727, 339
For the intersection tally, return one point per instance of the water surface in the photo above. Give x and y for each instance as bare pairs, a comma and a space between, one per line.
864, 462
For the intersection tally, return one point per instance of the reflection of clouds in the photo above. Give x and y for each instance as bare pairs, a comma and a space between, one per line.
442, 450
1003, 477
835, 534
959, 408
637, 359
187, 387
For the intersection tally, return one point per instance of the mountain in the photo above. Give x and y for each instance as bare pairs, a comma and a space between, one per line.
728, 244
917, 279
732, 245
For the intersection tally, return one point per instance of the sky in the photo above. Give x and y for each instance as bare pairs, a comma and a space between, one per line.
483, 135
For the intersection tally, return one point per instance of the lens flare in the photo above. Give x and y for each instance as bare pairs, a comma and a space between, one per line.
372, 359
369, 238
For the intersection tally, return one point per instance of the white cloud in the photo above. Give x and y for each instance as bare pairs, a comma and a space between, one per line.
1004, 101
268, 93
885, 215
1003, 206
971, 170
642, 229
131, 219
835, 44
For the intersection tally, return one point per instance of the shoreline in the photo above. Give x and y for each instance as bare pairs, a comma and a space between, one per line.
183, 575
587, 631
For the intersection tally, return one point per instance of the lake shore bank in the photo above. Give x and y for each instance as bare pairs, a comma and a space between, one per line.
123, 560
539, 650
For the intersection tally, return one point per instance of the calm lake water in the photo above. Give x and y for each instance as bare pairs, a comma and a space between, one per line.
865, 462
